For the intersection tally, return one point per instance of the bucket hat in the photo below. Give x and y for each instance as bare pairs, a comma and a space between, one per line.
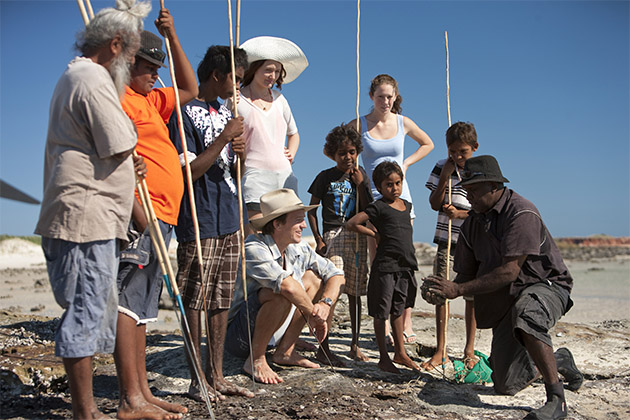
279, 49
481, 169
276, 203
151, 48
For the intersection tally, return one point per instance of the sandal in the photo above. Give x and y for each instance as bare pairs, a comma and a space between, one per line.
410, 338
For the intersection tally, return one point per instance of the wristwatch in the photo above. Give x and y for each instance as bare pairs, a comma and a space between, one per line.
328, 301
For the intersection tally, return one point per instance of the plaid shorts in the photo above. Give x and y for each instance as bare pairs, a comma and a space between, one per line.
341, 250
220, 264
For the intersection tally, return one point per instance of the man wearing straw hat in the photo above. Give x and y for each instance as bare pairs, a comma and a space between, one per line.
282, 271
139, 275
508, 261
88, 192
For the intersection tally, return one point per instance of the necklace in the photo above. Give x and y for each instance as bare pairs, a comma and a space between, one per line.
262, 101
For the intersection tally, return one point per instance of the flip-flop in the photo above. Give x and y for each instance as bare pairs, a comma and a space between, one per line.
410, 338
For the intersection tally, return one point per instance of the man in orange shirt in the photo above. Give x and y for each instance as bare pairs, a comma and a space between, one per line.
139, 275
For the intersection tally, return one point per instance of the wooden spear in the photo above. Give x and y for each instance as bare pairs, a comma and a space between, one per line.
239, 187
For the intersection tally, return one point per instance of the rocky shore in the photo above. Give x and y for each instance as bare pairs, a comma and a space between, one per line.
33, 384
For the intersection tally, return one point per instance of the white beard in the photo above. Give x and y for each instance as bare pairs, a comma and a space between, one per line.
120, 72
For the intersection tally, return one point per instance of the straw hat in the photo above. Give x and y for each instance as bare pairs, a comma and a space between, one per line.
276, 203
279, 49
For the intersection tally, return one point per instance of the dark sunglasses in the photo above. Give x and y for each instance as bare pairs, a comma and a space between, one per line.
155, 53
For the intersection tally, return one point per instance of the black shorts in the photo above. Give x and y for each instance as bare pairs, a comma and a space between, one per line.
390, 293
535, 312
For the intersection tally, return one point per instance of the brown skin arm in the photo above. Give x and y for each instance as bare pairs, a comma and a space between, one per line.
362, 187
232, 132
437, 196
501, 276
321, 311
356, 224
186, 81
138, 216
320, 246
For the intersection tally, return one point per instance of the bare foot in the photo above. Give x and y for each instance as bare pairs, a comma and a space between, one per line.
141, 409
262, 372
355, 353
165, 405
228, 388
470, 360
334, 360
387, 366
194, 392
97, 415
304, 345
294, 359
434, 361
405, 360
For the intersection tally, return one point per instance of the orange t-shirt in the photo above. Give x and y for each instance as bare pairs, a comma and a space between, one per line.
164, 173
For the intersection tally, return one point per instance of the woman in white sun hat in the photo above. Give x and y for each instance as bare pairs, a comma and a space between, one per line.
267, 118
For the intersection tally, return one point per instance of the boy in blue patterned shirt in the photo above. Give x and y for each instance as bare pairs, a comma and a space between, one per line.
336, 188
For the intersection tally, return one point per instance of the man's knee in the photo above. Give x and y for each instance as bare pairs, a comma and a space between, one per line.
312, 283
266, 296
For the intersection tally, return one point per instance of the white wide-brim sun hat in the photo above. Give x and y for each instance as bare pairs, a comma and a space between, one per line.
279, 49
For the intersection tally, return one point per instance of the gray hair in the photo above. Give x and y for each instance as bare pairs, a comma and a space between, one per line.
124, 20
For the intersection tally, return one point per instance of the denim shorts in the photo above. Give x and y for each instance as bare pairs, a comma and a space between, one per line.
140, 286
83, 280
236, 338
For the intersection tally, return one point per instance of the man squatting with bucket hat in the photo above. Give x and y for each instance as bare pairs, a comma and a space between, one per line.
281, 271
507, 259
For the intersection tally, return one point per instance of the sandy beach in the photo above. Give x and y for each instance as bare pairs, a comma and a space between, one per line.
597, 330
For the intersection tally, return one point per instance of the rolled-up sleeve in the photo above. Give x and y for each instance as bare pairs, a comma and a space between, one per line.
321, 266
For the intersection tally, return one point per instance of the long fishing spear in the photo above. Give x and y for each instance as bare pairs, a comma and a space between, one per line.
239, 186
450, 223
156, 235
357, 298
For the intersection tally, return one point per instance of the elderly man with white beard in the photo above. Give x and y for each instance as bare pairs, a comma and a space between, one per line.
88, 192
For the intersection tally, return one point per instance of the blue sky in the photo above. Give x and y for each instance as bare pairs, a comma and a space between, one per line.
546, 84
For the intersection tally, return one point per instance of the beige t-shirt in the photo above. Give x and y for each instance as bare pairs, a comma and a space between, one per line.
88, 194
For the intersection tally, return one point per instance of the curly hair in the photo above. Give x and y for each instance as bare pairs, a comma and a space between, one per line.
386, 79
462, 132
384, 170
253, 68
218, 58
343, 133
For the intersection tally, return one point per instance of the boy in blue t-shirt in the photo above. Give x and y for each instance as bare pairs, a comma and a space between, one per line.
336, 188
461, 141
392, 287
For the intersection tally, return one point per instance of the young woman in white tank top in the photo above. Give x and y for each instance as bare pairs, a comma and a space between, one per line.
383, 132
